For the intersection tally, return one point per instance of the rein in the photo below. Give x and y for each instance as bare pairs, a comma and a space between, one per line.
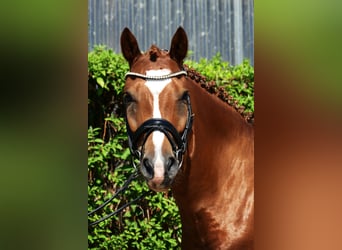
177, 140
123, 188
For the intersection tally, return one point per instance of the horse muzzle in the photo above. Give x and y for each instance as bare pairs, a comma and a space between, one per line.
159, 172
158, 169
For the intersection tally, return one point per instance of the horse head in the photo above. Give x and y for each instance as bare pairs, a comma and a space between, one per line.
158, 109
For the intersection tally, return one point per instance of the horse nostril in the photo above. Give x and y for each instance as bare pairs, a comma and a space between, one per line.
171, 161
148, 168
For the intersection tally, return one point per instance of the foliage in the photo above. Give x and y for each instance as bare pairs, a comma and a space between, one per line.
153, 222
107, 67
238, 80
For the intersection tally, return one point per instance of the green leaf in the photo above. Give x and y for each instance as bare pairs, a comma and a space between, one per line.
100, 81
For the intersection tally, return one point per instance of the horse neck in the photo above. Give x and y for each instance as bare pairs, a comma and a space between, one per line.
217, 174
216, 136
215, 121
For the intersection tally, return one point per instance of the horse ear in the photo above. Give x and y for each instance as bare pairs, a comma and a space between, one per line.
179, 46
129, 46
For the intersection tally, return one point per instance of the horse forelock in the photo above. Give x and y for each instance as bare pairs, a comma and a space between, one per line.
154, 52
154, 59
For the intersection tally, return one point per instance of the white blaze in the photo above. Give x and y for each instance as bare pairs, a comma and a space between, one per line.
156, 87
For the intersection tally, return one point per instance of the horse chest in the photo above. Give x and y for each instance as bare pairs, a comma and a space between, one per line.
206, 230
216, 219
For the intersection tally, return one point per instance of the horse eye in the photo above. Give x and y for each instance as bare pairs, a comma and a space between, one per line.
185, 97
128, 98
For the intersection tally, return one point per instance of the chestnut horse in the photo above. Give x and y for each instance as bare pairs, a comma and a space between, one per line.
190, 141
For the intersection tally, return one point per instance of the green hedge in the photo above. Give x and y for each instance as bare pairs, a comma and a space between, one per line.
154, 222
238, 81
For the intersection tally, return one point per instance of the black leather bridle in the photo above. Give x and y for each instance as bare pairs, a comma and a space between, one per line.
177, 140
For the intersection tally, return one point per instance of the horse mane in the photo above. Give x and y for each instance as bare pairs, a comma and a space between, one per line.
220, 92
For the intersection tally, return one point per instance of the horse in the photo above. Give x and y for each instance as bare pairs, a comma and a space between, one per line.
191, 142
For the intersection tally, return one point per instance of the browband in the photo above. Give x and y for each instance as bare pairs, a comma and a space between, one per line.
145, 77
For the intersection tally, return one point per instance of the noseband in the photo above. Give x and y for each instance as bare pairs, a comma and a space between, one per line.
177, 140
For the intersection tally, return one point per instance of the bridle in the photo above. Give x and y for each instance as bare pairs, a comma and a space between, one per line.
177, 140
